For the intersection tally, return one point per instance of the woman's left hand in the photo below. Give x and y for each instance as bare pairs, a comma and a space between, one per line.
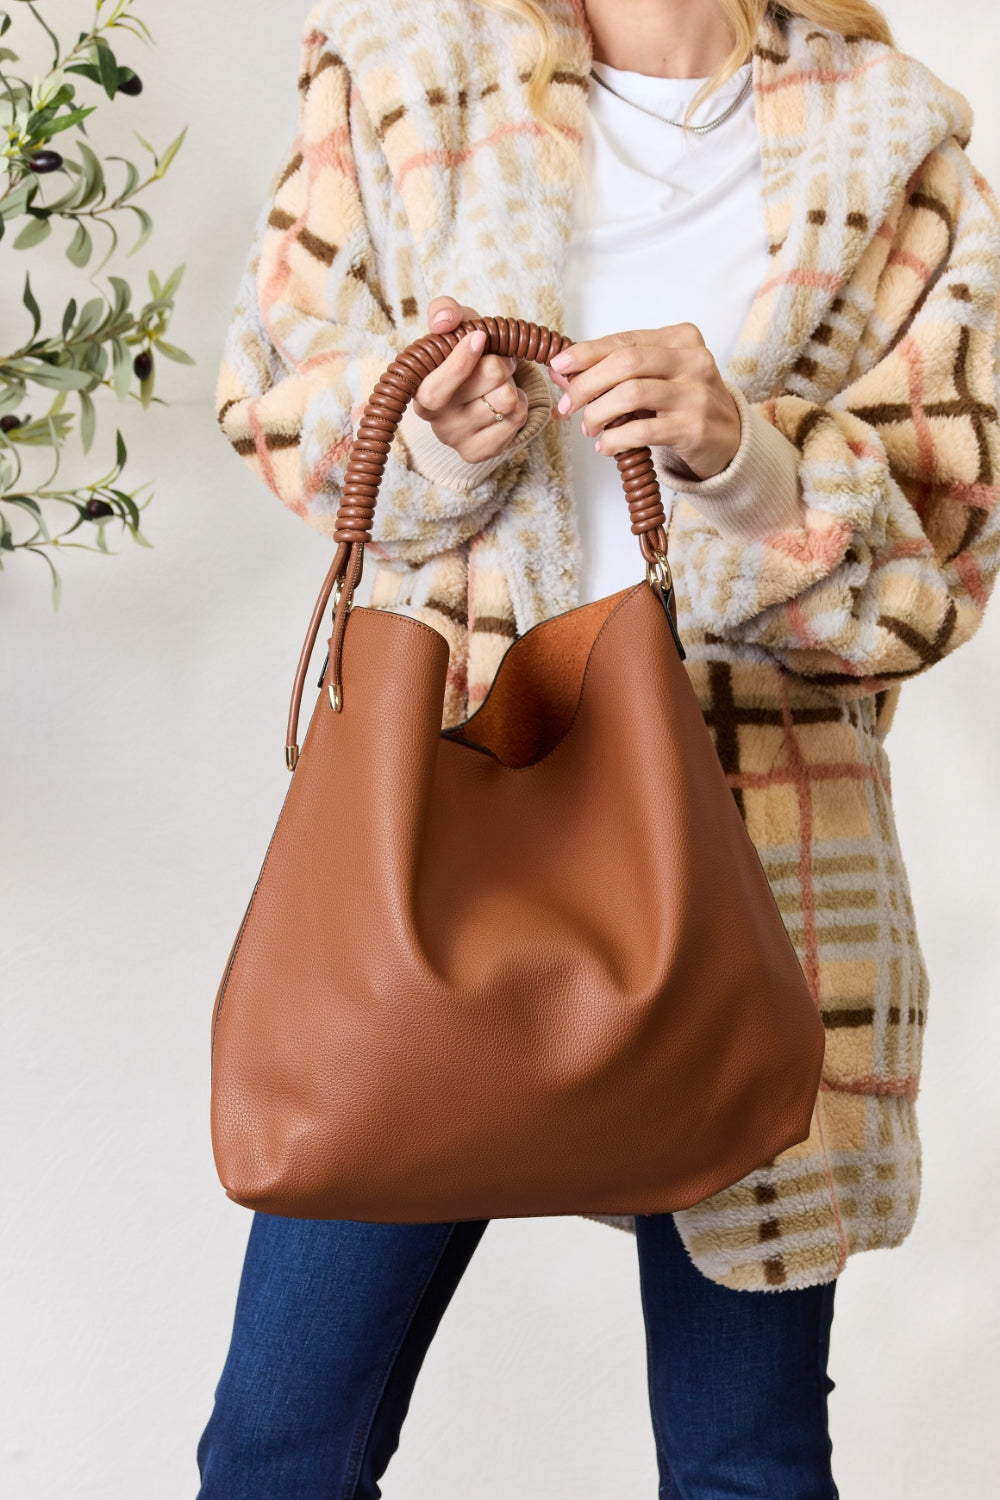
667, 372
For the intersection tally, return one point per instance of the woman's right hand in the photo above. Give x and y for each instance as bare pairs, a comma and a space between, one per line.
448, 398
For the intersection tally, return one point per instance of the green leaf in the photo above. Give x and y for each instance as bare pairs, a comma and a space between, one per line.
52, 93
137, 26
121, 376
81, 520
85, 69
90, 317
80, 246
111, 248
63, 122
50, 426
61, 377
131, 176
75, 193
32, 306
93, 175
48, 29
88, 420
12, 390
123, 295
120, 449
27, 503
68, 317
36, 230
137, 534
170, 153
147, 226
108, 69
49, 431
73, 546
129, 505
180, 355
172, 282
56, 584
14, 202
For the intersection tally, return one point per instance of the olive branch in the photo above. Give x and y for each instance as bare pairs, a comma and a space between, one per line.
102, 343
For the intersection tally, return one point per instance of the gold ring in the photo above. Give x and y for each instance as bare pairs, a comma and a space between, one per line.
498, 415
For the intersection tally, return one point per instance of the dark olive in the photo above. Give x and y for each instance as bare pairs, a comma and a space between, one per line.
9, 422
143, 364
45, 161
98, 509
130, 84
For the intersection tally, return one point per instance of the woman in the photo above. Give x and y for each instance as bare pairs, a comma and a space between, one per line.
823, 239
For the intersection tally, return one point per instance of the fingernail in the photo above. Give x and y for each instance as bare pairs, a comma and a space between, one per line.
564, 404
477, 340
562, 361
597, 446
441, 317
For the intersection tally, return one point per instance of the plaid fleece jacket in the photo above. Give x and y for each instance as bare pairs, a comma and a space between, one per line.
872, 347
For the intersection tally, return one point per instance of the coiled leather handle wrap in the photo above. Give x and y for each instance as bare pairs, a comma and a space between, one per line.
387, 402
385, 406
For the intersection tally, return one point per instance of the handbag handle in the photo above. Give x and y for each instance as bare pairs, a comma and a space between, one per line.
376, 430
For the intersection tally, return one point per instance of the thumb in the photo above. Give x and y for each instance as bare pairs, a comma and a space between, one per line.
444, 314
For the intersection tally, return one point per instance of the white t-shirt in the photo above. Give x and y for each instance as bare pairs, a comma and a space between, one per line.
677, 236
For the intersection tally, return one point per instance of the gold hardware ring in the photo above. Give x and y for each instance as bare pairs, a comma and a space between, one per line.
498, 415
659, 572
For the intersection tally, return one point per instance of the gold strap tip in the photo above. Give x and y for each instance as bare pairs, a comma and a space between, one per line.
291, 756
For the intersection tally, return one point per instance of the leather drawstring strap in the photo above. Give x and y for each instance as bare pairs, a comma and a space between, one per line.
388, 401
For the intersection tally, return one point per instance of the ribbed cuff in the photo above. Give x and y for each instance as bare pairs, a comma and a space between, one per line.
758, 492
441, 464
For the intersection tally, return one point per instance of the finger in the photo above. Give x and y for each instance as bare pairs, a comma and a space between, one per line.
636, 362
647, 430
491, 372
563, 384
505, 398
483, 435
461, 378
444, 314
438, 388
584, 354
634, 395
459, 423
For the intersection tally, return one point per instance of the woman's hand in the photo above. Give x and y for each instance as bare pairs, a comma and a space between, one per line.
448, 398
666, 373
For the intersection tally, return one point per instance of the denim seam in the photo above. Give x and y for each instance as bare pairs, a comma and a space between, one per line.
353, 1470
820, 1369
653, 1404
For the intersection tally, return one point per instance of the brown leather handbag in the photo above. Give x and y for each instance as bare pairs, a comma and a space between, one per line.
530, 964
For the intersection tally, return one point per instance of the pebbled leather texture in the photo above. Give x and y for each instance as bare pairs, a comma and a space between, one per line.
528, 965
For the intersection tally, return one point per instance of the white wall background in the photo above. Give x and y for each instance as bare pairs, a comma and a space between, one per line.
142, 773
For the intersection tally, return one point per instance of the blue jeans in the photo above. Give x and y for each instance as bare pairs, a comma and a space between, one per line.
334, 1318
